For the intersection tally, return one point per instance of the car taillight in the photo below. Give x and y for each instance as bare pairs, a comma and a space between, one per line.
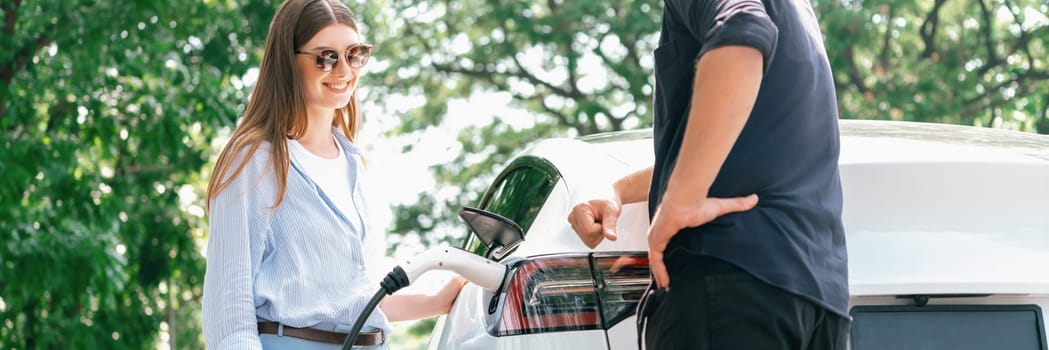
573, 292
622, 280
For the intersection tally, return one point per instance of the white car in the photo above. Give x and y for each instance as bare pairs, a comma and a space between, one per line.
947, 229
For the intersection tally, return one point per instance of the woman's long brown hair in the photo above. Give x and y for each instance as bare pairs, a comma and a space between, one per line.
277, 107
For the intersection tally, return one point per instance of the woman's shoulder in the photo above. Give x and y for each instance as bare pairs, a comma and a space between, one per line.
253, 158
262, 151
243, 169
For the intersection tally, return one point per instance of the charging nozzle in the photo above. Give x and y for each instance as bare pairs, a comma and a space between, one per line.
476, 269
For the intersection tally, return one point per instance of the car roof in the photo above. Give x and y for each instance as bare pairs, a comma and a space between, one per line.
929, 208
869, 141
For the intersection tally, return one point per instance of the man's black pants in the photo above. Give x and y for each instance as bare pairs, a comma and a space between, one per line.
713, 305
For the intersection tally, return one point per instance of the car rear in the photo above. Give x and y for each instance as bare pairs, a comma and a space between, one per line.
948, 233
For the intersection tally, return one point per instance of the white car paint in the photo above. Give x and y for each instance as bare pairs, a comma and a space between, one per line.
929, 209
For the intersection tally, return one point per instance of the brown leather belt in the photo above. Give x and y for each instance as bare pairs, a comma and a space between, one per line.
364, 339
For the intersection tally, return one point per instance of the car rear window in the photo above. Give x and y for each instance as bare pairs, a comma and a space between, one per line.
518, 194
955, 327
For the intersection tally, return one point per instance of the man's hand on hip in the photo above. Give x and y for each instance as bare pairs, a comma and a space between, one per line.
672, 217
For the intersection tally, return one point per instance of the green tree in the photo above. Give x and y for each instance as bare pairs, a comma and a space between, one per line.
585, 66
580, 66
971, 62
107, 112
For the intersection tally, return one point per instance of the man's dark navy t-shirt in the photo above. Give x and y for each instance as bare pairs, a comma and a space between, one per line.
787, 152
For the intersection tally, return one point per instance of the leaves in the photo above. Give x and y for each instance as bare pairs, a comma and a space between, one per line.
578, 67
108, 112
972, 62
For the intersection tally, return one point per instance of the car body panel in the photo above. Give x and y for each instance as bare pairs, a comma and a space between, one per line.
623, 336
956, 214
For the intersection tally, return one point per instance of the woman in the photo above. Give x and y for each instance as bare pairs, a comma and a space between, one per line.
284, 260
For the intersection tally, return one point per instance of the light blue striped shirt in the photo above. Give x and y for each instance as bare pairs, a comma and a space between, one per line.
301, 264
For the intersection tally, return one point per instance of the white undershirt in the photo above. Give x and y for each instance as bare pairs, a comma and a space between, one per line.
332, 175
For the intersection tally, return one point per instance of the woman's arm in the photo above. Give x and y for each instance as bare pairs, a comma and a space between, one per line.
228, 313
403, 307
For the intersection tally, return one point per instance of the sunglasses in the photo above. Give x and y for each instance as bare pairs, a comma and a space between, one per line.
357, 56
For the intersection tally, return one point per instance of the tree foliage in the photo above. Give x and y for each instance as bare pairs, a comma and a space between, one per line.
107, 111
971, 62
580, 67
584, 66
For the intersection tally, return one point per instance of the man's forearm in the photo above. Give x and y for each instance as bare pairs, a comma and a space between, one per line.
633, 188
725, 89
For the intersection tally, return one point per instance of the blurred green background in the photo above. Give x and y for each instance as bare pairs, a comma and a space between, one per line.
112, 110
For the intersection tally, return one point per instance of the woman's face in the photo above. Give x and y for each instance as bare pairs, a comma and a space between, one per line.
326, 91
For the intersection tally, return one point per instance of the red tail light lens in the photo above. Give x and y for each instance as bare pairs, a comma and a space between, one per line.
622, 280
572, 292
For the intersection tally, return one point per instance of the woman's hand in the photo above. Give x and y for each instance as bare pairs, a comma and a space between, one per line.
450, 292
403, 306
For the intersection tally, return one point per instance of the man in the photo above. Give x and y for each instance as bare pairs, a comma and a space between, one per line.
744, 109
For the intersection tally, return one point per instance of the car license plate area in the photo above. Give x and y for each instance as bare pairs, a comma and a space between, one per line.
954, 327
